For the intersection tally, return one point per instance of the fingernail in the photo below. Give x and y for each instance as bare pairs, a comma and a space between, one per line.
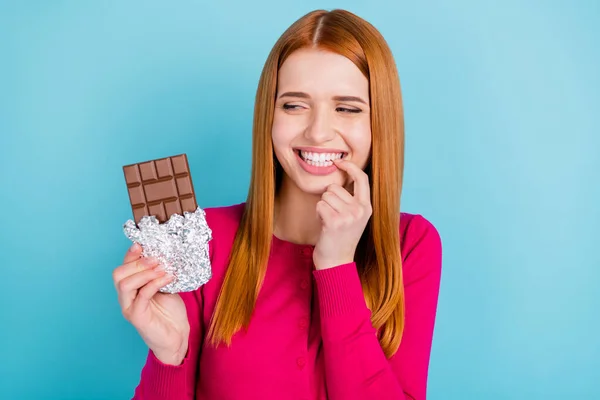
134, 247
150, 261
159, 268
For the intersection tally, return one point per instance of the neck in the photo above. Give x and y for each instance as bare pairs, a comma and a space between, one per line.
296, 219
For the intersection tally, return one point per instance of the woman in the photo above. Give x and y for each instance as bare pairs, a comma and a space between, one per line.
321, 289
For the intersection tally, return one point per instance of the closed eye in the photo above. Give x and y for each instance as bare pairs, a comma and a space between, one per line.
348, 110
344, 110
291, 107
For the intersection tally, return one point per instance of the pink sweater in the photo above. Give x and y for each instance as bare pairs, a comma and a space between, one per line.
310, 336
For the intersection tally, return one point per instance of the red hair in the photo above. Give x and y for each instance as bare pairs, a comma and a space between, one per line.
378, 253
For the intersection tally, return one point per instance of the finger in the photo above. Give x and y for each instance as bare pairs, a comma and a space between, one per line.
342, 193
139, 265
134, 252
325, 211
334, 201
362, 191
142, 300
128, 288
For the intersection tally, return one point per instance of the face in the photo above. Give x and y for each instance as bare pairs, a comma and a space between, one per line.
322, 111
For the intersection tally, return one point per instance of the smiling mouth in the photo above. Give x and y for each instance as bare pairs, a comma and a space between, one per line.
320, 159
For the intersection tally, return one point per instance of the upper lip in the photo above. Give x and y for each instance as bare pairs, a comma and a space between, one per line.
319, 150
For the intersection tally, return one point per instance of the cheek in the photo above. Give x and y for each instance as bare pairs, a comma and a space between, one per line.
281, 135
359, 140
277, 133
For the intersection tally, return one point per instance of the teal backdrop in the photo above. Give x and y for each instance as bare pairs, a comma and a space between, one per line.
502, 155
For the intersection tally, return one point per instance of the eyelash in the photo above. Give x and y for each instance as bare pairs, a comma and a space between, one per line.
347, 110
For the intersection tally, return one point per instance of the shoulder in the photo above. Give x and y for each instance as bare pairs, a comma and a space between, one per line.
420, 246
224, 216
223, 222
415, 227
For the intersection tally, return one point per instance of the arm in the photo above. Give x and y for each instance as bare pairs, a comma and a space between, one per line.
355, 365
161, 381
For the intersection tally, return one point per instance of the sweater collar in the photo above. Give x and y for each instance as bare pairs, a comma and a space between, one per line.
296, 249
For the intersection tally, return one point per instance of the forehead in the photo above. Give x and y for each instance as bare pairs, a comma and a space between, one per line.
320, 71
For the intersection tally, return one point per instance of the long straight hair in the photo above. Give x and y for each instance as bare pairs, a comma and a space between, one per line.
377, 256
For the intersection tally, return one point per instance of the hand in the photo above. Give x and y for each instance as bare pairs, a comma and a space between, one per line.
344, 217
160, 318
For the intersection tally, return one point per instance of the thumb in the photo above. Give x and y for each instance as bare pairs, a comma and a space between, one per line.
133, 253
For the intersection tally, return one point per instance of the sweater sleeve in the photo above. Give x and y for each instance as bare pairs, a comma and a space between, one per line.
355, 365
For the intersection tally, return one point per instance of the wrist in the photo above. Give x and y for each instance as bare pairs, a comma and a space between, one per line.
326, 264
169, 359
172, 357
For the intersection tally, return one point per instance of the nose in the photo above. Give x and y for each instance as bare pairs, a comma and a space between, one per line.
320, 127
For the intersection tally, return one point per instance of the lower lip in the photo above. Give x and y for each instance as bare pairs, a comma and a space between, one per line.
311, 169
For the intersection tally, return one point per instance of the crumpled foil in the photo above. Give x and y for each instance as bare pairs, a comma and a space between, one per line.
180, 245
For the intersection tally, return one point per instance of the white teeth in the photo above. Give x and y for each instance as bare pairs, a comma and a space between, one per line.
319, 163
320, 158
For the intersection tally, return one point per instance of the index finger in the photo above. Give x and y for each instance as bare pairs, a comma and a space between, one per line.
134, 252
133, 267
362, 190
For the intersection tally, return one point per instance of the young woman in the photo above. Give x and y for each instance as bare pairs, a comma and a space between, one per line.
321, 288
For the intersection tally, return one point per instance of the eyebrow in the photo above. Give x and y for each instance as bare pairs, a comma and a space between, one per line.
303, 95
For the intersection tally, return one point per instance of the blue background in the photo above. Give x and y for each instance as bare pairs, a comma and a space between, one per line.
502, 155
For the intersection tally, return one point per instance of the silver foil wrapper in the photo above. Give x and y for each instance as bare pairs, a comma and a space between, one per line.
180, 244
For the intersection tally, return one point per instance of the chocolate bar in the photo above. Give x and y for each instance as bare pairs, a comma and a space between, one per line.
161, 188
